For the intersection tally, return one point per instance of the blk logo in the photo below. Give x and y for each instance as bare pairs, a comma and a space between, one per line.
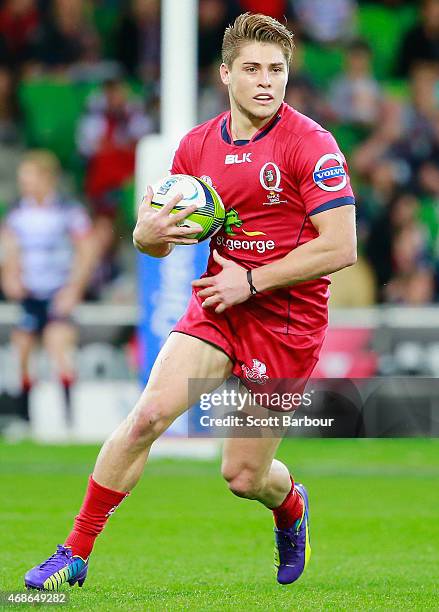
238, 159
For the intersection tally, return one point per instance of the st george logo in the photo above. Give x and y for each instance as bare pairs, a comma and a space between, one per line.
233, 221
238, 159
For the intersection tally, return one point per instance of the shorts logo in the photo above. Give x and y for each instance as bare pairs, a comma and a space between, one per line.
257, 373
332, 172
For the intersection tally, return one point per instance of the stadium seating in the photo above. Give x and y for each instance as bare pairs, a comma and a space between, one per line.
322, 63
51, 109
373, 25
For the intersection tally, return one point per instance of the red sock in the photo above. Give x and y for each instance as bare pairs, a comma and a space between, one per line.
98, 505
23, 406
67, 380
290, 509
26, 384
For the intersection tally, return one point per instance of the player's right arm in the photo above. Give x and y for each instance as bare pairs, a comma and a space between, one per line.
10, 269
158, 230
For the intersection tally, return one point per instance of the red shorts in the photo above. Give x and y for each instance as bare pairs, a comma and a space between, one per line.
259, 355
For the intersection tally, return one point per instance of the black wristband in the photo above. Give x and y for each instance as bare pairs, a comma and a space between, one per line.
253, 289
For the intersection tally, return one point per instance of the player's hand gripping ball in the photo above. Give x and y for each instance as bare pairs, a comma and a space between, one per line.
210, 213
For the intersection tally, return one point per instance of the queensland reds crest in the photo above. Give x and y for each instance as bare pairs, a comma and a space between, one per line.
328, 175
270, 178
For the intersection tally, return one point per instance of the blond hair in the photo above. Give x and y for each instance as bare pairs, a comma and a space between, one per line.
45, 160
255, 27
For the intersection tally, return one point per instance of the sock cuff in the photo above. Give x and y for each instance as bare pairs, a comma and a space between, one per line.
104, 493
285, 501
26, 383
67, 380
290, 510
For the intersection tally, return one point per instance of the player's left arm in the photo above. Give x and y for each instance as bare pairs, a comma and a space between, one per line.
333, 249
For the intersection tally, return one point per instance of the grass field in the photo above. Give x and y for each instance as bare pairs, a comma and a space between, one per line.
182, 542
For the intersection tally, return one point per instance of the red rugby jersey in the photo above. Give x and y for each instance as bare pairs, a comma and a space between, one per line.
270, 186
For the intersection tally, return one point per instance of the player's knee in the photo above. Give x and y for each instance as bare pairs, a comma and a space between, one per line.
147, 423
243, 483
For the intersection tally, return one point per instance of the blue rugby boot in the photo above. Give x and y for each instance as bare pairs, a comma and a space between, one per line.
293, 550
61, 567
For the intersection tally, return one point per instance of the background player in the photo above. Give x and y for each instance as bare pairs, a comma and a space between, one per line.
291, 190
47, 262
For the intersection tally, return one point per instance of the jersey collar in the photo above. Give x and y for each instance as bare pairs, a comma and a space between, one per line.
226, 131
50, 201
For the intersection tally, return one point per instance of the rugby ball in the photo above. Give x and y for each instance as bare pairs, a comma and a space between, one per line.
210, 213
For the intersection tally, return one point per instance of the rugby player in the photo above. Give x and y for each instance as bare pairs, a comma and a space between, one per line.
262, 300
47, 262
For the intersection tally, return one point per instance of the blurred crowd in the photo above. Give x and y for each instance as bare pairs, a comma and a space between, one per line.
81, 78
